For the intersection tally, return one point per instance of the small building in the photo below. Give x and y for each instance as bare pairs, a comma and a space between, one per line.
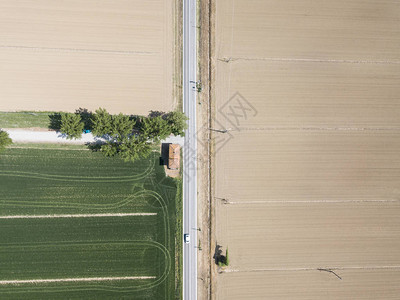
174, 156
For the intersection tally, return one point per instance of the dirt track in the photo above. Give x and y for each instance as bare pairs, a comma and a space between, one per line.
311, 171
70, 54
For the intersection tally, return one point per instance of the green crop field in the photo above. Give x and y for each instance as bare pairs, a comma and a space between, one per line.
24, 119
77, 225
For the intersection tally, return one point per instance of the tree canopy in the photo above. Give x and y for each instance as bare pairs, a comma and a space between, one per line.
121, 125
177, 122
133, 148
155, 128
71, 125
123, 137
5, 140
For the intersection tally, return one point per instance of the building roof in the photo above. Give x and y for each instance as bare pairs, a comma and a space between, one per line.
173, 164
174, 150
174, 156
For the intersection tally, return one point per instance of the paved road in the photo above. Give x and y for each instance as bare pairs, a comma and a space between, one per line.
190, 151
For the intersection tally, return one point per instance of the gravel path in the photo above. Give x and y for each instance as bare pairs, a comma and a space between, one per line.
39, 136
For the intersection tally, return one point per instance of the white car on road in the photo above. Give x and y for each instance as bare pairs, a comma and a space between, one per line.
187, 238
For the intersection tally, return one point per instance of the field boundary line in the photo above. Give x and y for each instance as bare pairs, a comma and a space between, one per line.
311, 128
38, 148
313, 60
77, 216
309, 201
314, 269
77, 279
77, 50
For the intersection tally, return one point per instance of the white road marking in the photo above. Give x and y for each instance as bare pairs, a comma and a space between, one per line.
77, 216
4, 282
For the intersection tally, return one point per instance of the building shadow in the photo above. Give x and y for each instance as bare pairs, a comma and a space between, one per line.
164, 154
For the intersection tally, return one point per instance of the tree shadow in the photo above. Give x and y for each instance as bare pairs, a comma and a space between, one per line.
86, 117
55, 121
218, 257
156, 113
94, 146
137, 128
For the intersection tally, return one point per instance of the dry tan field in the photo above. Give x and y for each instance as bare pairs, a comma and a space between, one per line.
61, 55
314, 94
298, 236
312, 285
313, 179
355, 30
309, 166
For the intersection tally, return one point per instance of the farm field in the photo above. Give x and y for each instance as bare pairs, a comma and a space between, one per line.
307, 175
312, 285
309, 166
335, 30
75, 225
58, 56
314, 95
24, 119
296, 236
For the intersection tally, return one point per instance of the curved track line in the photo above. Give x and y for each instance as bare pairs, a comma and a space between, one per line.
158, 281
143, 193
56, 177
107, 206
167, 255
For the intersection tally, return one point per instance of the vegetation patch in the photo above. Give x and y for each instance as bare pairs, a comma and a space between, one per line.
116, 243
221, 259
179, 240
24, 119
4, 140
128, 137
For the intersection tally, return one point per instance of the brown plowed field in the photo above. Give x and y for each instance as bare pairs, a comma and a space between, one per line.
312, 285
292, 236
314, 94
309, 165
61, 55
309, 175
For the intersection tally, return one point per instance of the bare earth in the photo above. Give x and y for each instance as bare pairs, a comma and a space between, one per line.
309, 166
308, 180
61, 55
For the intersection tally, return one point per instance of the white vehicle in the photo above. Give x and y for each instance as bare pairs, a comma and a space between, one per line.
187, 238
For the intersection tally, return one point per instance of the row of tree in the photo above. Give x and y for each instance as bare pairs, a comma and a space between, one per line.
129, 137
